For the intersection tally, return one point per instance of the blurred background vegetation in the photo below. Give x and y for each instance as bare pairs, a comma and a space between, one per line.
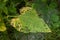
49, 10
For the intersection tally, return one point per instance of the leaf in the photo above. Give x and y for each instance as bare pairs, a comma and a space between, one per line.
2, 25
12, 9
2, 5
53, 5
31, 22
40, 6
5, 10
54, 18
5, 0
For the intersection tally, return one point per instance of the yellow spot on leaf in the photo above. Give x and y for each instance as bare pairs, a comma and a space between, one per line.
15, 22
24, 9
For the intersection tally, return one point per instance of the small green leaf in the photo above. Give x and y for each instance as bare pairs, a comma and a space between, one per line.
5, 10
12, 9
54, 18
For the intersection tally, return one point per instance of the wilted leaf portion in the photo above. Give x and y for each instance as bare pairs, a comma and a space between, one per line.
15, 22
31, 22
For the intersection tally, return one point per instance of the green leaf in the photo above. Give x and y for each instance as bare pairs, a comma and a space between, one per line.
53, 5
54, 18
30, 22
5, 10
2, 5
12, 9
5, 0
40, 6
